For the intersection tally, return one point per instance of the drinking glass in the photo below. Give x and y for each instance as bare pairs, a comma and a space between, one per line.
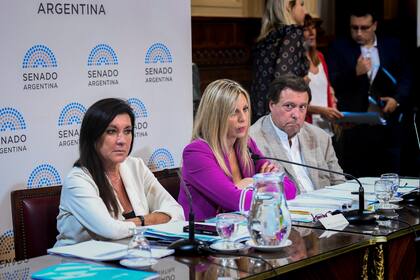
395, 181
138, 250
383, 192
226, 226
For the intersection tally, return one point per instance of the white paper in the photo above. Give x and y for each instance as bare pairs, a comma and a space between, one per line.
102, 251
337, 222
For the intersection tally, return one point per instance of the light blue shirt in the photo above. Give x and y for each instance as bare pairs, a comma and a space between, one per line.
373, 54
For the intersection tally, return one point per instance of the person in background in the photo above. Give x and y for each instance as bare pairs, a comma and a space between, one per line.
107, 193
279, 49
217, 164
369, 73
323, 107
284, 134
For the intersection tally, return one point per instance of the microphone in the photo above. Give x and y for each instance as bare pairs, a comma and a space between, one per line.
415, 109
190, 245
413, 198
354, 217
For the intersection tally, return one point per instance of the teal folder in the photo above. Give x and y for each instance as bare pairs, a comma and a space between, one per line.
75, 270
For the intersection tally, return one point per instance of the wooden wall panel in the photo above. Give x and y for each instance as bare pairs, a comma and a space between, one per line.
221, 47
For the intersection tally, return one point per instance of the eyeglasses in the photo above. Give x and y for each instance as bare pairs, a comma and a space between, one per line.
362, 28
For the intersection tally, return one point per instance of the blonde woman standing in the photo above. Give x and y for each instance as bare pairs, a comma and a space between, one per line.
217, 164
279, 49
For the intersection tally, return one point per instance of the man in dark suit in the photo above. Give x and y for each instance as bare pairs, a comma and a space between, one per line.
369, 73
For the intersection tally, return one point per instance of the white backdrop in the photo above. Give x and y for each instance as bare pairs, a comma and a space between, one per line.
58, 58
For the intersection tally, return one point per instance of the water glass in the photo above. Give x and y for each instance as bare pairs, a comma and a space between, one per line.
138, 249
395, 181
383, 192
226, 226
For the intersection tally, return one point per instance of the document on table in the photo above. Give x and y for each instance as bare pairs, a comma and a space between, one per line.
174, 231
368, 183
102, 251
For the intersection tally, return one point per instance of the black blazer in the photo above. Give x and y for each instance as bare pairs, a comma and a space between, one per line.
351, 90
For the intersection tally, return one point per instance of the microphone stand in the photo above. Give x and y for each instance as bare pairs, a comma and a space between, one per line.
413, 198
353, 216
190, 245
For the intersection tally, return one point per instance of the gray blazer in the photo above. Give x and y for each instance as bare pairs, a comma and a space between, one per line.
315, 147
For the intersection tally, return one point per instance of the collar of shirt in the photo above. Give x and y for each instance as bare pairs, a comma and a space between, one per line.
293, 154
284, 138
373, 54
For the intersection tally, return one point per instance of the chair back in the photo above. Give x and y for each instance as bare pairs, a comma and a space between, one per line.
34, 214
169, 179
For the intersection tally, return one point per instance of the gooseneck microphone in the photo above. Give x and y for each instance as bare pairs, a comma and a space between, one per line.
354, 217
190, 245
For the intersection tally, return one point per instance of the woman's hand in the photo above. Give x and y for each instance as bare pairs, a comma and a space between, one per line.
268, 167
325, 112
331, 113
245, 182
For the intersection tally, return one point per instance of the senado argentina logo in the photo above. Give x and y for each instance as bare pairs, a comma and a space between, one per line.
104, 59
12, 131
7, 251
141, 114
37, 63
161, 159
158, 60
72, 113
11, 119
69, 122
44, 175
158, 52
39, 56
102, 54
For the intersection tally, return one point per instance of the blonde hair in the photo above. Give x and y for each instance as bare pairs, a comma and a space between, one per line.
211, 121
276, 12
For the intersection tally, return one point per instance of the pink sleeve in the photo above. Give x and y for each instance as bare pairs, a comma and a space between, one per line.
202, 172
289, 188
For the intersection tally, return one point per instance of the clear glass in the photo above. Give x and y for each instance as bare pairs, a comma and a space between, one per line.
395, 181
269, 221
226, 225
228, 269
138, 249
383, 192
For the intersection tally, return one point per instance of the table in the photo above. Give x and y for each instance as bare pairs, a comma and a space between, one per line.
310, 255
393, 254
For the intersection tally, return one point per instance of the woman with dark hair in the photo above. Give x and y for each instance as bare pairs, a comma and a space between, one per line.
323, 107
107, 192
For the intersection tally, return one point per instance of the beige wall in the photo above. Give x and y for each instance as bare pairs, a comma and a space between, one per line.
239, 8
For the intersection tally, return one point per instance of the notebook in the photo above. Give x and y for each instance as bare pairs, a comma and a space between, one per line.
76, 270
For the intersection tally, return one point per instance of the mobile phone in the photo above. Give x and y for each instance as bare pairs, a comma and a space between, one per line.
203, 229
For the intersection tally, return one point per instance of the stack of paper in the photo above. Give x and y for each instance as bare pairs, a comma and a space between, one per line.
101, 251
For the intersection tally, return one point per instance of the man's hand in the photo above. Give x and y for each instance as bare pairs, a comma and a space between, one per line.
363, 65
390, 104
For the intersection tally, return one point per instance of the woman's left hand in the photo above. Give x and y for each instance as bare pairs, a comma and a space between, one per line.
268, 167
